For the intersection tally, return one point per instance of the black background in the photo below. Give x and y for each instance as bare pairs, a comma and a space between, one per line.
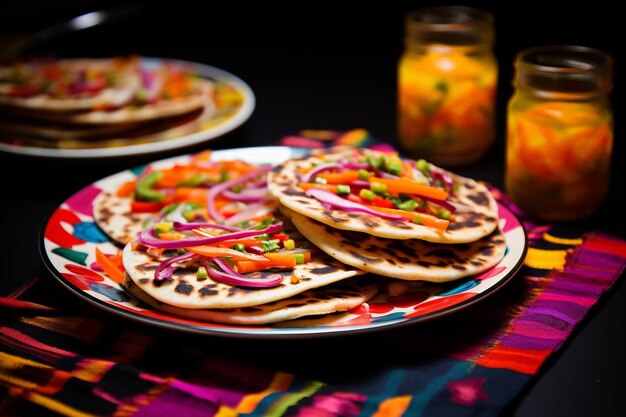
323, 65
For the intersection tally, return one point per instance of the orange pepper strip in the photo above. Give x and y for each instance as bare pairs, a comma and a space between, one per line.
343, 177
277, 259
397, 186
246, 242
328, 187
213, 251
244, 267
425, 219
127, 189
171, 236
110, 267
202, 156
191, 195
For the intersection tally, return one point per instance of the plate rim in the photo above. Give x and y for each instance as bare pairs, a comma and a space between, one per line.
266, 332
205, 70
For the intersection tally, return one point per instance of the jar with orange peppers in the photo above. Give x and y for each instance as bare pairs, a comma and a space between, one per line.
560, 132
447, 79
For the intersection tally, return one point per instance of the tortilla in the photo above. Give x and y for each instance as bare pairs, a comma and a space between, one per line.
332, 298
406, 259
200, 95
479, 219
184, 290
114, 217
119, 74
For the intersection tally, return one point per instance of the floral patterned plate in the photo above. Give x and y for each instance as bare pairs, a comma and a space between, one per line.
70, 238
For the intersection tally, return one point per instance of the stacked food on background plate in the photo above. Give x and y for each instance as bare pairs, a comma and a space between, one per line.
85, 100
231, 242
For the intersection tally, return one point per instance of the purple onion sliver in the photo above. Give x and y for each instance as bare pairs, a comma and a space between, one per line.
451, 208
384, 174
147, 237
326, 197
225, 267
255, 250
238, 280
324, 167
219, 188
359, 184
164, 270
356, 165
200, 225
252, 195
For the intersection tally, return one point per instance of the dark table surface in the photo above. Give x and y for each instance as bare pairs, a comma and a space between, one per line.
322, 68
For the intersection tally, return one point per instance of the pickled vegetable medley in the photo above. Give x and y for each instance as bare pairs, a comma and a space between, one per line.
446, 106
558, 157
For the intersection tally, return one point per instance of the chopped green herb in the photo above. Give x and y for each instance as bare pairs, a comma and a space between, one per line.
423, 166
408, 205
378, 187
270, 245
201, 273
367, 194
239, 247
343, 189
364, 174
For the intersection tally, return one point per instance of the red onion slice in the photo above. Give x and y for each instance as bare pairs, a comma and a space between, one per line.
324, 167
441, 203
200, 225
249, 195
219, 188
147, 237
333, 200
250, 212
230, 277
164, 270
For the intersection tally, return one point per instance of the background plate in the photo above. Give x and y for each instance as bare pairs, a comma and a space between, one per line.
70, 237
235, 103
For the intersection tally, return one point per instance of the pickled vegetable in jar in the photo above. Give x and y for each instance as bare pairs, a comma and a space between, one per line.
560, 132
447, 85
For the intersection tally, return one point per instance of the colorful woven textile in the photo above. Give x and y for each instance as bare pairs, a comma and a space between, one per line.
60, 356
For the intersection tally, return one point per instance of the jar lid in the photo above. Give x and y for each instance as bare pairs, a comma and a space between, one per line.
567, 69
450, 25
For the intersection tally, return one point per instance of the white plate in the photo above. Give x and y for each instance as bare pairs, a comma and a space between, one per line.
71, 236
222, 123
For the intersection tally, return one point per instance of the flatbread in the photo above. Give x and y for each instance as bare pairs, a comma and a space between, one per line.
115, 218
184, 290
201, 94
478, 221
120, 74
406, 259
332, 298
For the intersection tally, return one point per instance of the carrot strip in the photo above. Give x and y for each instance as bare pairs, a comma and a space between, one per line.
397, 186
213, 251
171, 236
343, 177
284, 259
328, 187
244, 267
127, 189
424, 219
110, 267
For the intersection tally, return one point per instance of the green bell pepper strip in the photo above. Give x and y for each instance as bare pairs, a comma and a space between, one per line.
145, 187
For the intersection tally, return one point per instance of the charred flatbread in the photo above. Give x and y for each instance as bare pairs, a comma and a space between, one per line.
476, 218
184, 290
406, 259
332, 298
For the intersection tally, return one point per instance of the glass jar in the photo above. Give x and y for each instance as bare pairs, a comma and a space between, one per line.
447, 80
560, 132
